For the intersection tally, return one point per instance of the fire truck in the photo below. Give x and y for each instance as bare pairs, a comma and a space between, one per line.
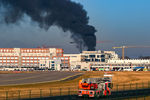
95, 87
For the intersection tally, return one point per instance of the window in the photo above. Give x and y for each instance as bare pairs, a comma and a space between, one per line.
23, 57
92, 56
52, 65
102, 56
4, 57
102, 60
47, 58
97, 60
87, 59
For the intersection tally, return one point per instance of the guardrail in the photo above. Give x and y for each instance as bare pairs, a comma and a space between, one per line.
51, 92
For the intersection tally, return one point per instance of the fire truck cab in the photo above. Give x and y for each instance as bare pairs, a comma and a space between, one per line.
95, 87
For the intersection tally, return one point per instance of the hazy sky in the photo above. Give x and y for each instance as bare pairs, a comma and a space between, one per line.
124, 22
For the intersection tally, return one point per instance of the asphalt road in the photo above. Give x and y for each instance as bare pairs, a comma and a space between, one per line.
35, 77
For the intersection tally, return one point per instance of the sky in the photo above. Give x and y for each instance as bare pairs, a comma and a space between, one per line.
122, 22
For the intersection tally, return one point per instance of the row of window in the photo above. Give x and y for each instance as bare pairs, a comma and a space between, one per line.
8, 60
29, 64
8, 63
61, 58
35, 58
93, 56
33, 50
6, 50
94, 60
8, 57
29, 60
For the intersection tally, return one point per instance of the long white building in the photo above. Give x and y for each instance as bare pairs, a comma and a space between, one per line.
103, 59
54, 58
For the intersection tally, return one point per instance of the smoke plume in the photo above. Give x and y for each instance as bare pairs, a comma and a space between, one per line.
66, 14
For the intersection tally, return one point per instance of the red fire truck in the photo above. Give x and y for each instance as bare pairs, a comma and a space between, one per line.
95, 87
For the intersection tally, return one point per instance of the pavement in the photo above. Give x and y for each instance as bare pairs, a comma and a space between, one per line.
35, 77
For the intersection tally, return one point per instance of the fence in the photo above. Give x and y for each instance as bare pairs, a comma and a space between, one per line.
49, 92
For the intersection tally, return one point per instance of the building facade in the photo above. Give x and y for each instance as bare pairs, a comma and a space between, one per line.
85, 59
50, 64
27, 57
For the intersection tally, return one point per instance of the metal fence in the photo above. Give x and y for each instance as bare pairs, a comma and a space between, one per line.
50, 92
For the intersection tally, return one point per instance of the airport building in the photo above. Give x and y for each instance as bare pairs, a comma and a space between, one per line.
104, 60
55, 59
30, 57
85, 59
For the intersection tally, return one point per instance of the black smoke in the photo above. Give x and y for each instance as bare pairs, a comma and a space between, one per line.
66, 14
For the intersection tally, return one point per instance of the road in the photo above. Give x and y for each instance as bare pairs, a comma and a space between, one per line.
35, 77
